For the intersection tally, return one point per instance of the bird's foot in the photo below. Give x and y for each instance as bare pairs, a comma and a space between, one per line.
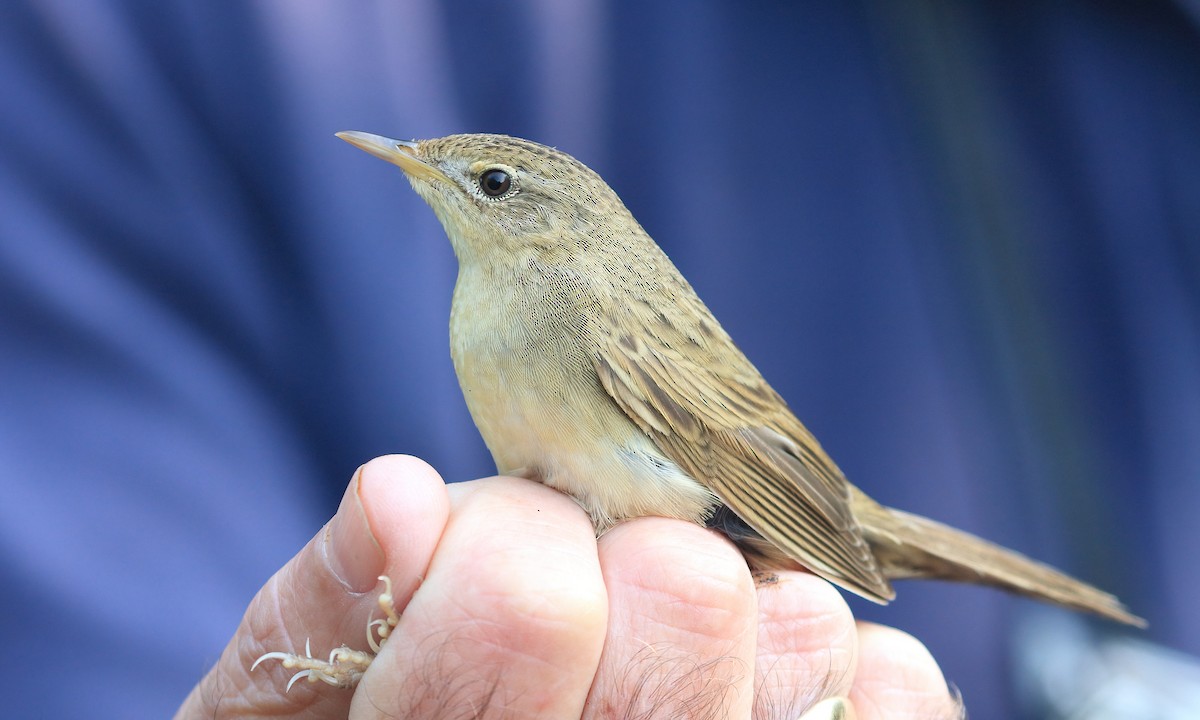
345, 666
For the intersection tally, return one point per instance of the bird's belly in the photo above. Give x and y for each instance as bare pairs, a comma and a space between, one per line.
542, 412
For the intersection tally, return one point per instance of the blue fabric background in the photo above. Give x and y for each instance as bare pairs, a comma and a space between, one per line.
962, 240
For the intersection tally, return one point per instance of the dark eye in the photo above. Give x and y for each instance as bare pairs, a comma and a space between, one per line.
495, 182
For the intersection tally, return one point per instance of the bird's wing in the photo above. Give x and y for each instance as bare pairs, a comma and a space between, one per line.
727, 428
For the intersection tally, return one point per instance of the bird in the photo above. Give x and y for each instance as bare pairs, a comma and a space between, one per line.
590, 364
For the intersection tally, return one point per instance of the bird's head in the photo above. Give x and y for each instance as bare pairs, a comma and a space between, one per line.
499, 193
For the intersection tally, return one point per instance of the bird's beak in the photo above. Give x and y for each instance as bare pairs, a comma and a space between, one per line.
397, 152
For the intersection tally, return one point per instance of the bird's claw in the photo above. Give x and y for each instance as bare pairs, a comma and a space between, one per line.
834, 708
345, 667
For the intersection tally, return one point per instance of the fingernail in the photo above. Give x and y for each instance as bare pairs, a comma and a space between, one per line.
354, 555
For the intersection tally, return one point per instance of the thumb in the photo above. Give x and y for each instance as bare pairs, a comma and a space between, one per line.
389, 522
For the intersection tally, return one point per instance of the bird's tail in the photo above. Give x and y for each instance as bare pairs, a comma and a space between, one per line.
911, 546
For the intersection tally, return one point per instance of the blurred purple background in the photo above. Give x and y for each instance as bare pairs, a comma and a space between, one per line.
963, 241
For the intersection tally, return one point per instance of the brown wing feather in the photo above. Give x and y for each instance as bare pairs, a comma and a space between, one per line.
725, 426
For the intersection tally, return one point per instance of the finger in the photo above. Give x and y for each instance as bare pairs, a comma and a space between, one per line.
395, 506
897, 678
682, 624
807, 644
510, 619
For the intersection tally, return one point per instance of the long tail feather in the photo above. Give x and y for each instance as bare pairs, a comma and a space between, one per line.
949, 554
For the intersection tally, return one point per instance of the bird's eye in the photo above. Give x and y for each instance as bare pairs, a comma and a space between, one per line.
495, 182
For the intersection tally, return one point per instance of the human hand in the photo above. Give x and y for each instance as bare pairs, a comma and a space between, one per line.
511, 608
